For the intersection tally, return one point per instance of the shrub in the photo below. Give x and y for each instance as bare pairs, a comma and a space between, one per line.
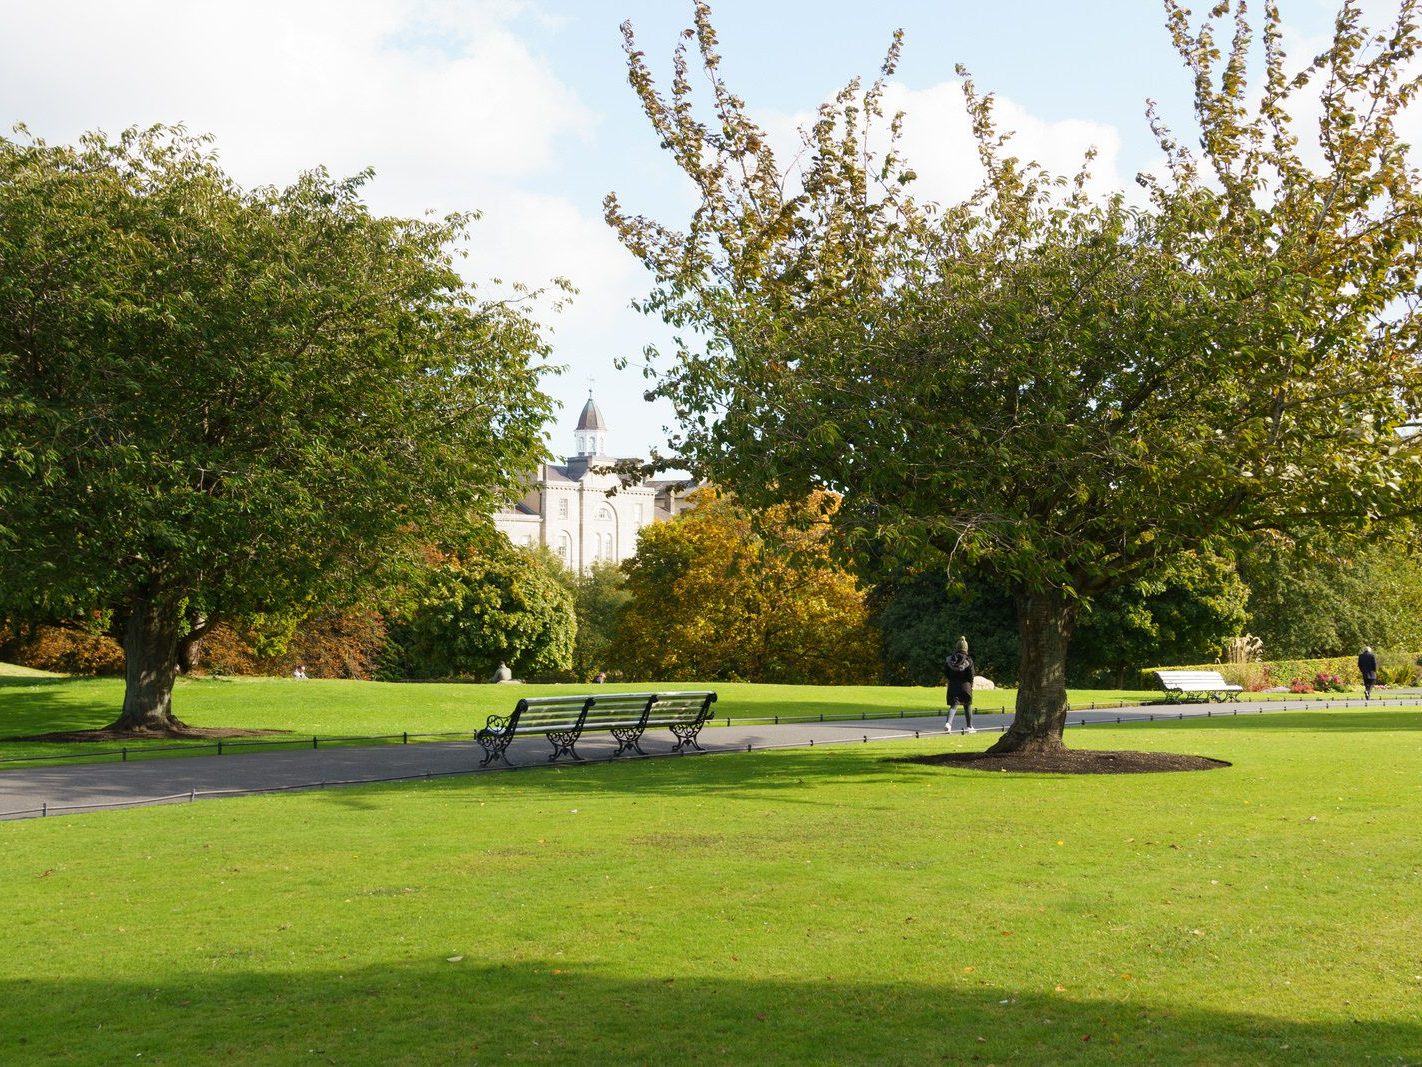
75, 649
1299, 685
1397, 668
1252, 677
327, 645
1324, 682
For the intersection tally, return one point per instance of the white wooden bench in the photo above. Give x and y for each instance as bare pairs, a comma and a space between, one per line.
626, 716
1210, 683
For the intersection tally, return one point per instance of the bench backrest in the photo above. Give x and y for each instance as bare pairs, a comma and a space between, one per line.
1192, 680
605, 710
549, 713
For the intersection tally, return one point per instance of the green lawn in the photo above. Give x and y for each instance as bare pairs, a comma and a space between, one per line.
821, 906
36, 705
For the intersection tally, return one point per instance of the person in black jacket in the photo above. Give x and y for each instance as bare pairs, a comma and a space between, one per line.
960, 669
1368, 668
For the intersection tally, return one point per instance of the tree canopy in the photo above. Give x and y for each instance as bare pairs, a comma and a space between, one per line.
1065, 392
484, 603
217, 401
719, 593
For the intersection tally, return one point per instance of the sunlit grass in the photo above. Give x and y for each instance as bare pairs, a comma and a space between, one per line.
821, 906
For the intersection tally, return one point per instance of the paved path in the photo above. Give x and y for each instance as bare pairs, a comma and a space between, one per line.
71, 788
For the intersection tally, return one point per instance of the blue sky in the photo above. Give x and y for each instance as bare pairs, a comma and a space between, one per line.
520, 108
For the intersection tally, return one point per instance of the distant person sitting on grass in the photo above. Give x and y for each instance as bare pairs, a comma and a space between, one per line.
1368, 668
960, 669
300, 672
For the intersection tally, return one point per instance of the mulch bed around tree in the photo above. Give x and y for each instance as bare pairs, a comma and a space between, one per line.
185, 733
1070, 761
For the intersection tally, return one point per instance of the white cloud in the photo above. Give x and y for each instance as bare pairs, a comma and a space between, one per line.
441, 98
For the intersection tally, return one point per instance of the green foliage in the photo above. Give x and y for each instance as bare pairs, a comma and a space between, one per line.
1317, 597
599, 597
919, 618
233, 401
1194, 607
485, 604
1069, 394
719, 593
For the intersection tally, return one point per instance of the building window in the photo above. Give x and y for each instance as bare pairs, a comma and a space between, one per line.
563, 508
604, 514
639, 515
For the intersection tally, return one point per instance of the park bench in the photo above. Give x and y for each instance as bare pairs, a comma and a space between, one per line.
564, 719
1211, 683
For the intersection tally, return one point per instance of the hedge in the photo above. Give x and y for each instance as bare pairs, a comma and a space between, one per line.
1393, 668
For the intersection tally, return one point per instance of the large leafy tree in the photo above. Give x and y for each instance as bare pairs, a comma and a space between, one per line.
1320, 598
599, 598
217, 401
1066, 392
484, 603
719, 593
921, 616
1186, 613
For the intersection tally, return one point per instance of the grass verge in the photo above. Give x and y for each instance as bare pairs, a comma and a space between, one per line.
821, 906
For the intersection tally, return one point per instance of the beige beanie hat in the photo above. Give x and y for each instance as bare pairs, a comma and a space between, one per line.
962, 644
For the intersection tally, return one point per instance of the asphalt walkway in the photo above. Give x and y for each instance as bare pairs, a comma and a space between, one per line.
34, 792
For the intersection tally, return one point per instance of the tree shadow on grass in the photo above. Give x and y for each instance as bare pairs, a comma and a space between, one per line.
232, 1008
30, 706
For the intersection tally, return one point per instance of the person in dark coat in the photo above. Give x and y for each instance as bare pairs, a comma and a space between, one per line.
1368, 668
960, 669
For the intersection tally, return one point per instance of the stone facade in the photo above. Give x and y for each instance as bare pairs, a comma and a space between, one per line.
572, 508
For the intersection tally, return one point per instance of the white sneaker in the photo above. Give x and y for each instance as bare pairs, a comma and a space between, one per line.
969, 730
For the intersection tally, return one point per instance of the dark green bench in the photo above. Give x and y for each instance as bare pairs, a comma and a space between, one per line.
563, 720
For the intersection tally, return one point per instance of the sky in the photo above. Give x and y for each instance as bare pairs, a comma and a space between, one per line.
520, 109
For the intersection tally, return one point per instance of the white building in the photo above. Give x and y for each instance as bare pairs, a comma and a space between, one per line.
572, 508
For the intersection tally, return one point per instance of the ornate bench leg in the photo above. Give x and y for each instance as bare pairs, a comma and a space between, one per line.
627, 737
493, 746
563, 742
686, 735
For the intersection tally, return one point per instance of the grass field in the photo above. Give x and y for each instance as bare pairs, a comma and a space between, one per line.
327, 708
824, 906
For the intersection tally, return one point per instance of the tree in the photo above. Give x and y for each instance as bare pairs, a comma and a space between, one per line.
1063, 392
218, 401
720, 594
1185, 614
599, 598
1318, 598
920, 617
484, 604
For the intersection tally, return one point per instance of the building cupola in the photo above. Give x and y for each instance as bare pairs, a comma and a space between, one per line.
591, 434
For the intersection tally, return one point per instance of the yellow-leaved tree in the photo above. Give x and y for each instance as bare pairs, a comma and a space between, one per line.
722, 594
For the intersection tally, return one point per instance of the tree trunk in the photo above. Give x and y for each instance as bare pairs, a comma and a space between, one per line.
1045, 620
150, 649
190, 644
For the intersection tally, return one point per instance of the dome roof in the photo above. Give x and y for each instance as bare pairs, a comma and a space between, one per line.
591, 418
